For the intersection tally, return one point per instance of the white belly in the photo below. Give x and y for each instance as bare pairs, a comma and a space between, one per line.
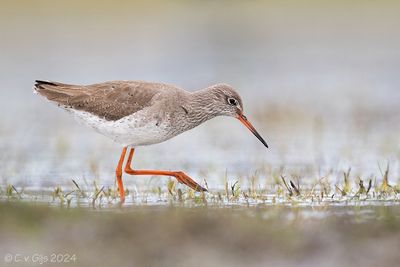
134, 130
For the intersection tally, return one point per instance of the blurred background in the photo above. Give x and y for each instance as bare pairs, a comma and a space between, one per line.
319, 79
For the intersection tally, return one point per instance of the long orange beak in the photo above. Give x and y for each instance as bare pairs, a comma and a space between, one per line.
246, 123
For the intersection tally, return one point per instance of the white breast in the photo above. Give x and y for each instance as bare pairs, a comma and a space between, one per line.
135, 130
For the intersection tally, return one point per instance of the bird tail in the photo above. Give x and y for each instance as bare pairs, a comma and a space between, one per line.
54, 91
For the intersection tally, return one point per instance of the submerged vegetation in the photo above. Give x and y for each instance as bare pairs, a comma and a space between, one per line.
279, 190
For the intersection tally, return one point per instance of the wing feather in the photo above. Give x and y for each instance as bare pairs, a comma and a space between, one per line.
110, 100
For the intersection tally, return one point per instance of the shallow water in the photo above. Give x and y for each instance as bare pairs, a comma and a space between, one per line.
320, 83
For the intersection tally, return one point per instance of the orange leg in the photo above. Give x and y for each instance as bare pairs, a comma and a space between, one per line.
118, 173
180, 176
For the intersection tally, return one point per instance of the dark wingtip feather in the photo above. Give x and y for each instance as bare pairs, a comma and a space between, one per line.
38, 83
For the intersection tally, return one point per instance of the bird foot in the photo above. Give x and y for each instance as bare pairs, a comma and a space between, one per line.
184, 179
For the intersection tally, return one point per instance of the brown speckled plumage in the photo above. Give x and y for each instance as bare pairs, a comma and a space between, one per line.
110, 100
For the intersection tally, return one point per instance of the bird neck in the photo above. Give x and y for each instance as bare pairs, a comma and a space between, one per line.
205, 102
200, 106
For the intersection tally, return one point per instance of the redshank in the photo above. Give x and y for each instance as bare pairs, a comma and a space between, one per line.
138, 113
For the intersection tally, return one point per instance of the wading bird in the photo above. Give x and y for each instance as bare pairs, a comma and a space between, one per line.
138, 113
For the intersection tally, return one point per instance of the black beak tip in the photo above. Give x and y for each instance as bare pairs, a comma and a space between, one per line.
265, 144
261, 139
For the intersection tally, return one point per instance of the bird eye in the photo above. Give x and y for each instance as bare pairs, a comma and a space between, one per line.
232, 101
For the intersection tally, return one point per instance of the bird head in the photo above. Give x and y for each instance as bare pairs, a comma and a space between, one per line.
230, 104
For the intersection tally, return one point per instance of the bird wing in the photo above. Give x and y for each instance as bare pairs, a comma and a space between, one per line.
109, 100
